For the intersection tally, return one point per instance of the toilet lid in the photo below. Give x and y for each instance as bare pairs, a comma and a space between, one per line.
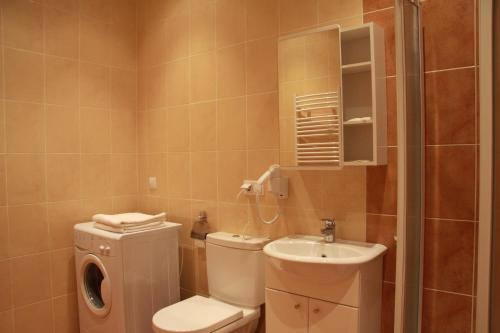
196, 315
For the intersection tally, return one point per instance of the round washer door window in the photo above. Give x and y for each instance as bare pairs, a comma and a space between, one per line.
95, 285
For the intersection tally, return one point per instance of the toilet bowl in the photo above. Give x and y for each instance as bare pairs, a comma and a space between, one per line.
235, 269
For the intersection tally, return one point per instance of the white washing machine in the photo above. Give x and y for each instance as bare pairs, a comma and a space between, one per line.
123, 279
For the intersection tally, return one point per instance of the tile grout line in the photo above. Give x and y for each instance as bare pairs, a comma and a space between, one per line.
45, 160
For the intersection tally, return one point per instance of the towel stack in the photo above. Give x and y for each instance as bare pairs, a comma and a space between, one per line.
128, 222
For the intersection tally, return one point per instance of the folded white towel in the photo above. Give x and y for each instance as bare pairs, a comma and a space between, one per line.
127, 219
128, 229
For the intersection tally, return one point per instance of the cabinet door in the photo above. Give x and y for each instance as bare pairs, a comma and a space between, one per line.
326, 317
285, 312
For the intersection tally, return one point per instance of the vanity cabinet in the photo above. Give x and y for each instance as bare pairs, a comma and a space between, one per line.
287, 312
323, 298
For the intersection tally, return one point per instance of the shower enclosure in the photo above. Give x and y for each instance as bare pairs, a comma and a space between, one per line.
488, 271
410, 167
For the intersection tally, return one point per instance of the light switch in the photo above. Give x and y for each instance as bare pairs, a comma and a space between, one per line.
153, 185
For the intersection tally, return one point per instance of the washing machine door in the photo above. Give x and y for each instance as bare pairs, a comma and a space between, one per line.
95, 285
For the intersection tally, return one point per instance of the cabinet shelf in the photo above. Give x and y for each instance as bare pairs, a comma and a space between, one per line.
364, 132
360, 121
359, 67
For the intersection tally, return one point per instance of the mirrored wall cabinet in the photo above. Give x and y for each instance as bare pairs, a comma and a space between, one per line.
333, 98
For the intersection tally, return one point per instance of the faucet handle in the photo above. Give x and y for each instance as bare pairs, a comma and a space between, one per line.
328, 222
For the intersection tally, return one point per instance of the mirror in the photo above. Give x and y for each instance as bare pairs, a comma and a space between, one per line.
310, 99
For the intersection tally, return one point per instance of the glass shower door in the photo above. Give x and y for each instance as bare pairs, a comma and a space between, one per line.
410, 167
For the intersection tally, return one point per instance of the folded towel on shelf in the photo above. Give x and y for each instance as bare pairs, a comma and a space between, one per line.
129, 228
127, 219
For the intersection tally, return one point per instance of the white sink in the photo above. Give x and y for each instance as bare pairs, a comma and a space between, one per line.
312, 249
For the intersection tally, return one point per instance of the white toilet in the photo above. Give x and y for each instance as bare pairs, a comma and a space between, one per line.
235, 269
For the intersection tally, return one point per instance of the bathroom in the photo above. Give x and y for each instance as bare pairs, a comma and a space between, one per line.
151, 106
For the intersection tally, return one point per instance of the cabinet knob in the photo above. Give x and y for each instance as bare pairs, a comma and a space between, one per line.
316, 310
296, 306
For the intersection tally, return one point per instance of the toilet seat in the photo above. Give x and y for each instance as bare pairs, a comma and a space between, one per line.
195, 315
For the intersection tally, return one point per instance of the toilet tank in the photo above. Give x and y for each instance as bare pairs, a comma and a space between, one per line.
235, 267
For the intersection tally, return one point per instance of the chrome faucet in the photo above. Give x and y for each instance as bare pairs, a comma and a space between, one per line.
328, 231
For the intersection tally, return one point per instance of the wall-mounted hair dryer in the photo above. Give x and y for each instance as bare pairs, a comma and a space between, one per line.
278, 185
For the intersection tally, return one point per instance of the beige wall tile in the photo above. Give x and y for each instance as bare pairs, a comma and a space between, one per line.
178, 129
95, 127
329, 10
262, 65
90, 207
123, 176
2, 123
5, 283
177, 82
231, 170
123, 88
230, 24
61, 218
4, 237
180, 212
61, 81
156, 89
97, 9
203, 77
262, 118
66, 314
25, 179
177, 30
125, 204
6, 322
204, 176
63, 177
202, 27
232, 217
297, 14
25, 126
94, 85
3, 179
153, 44
32, 282
156, 124
188, 277
262, 18
123, 45
28, 229
231, 124
96, 175
123, 132
123, 11
85, 69
23, 22
63, 271
203, 126
231, 76
61, 31
94, 41
23, 75
69, 5
62, 129
260, 160
178, 175
34, 318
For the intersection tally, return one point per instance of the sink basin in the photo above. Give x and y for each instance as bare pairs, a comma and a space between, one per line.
312, 249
